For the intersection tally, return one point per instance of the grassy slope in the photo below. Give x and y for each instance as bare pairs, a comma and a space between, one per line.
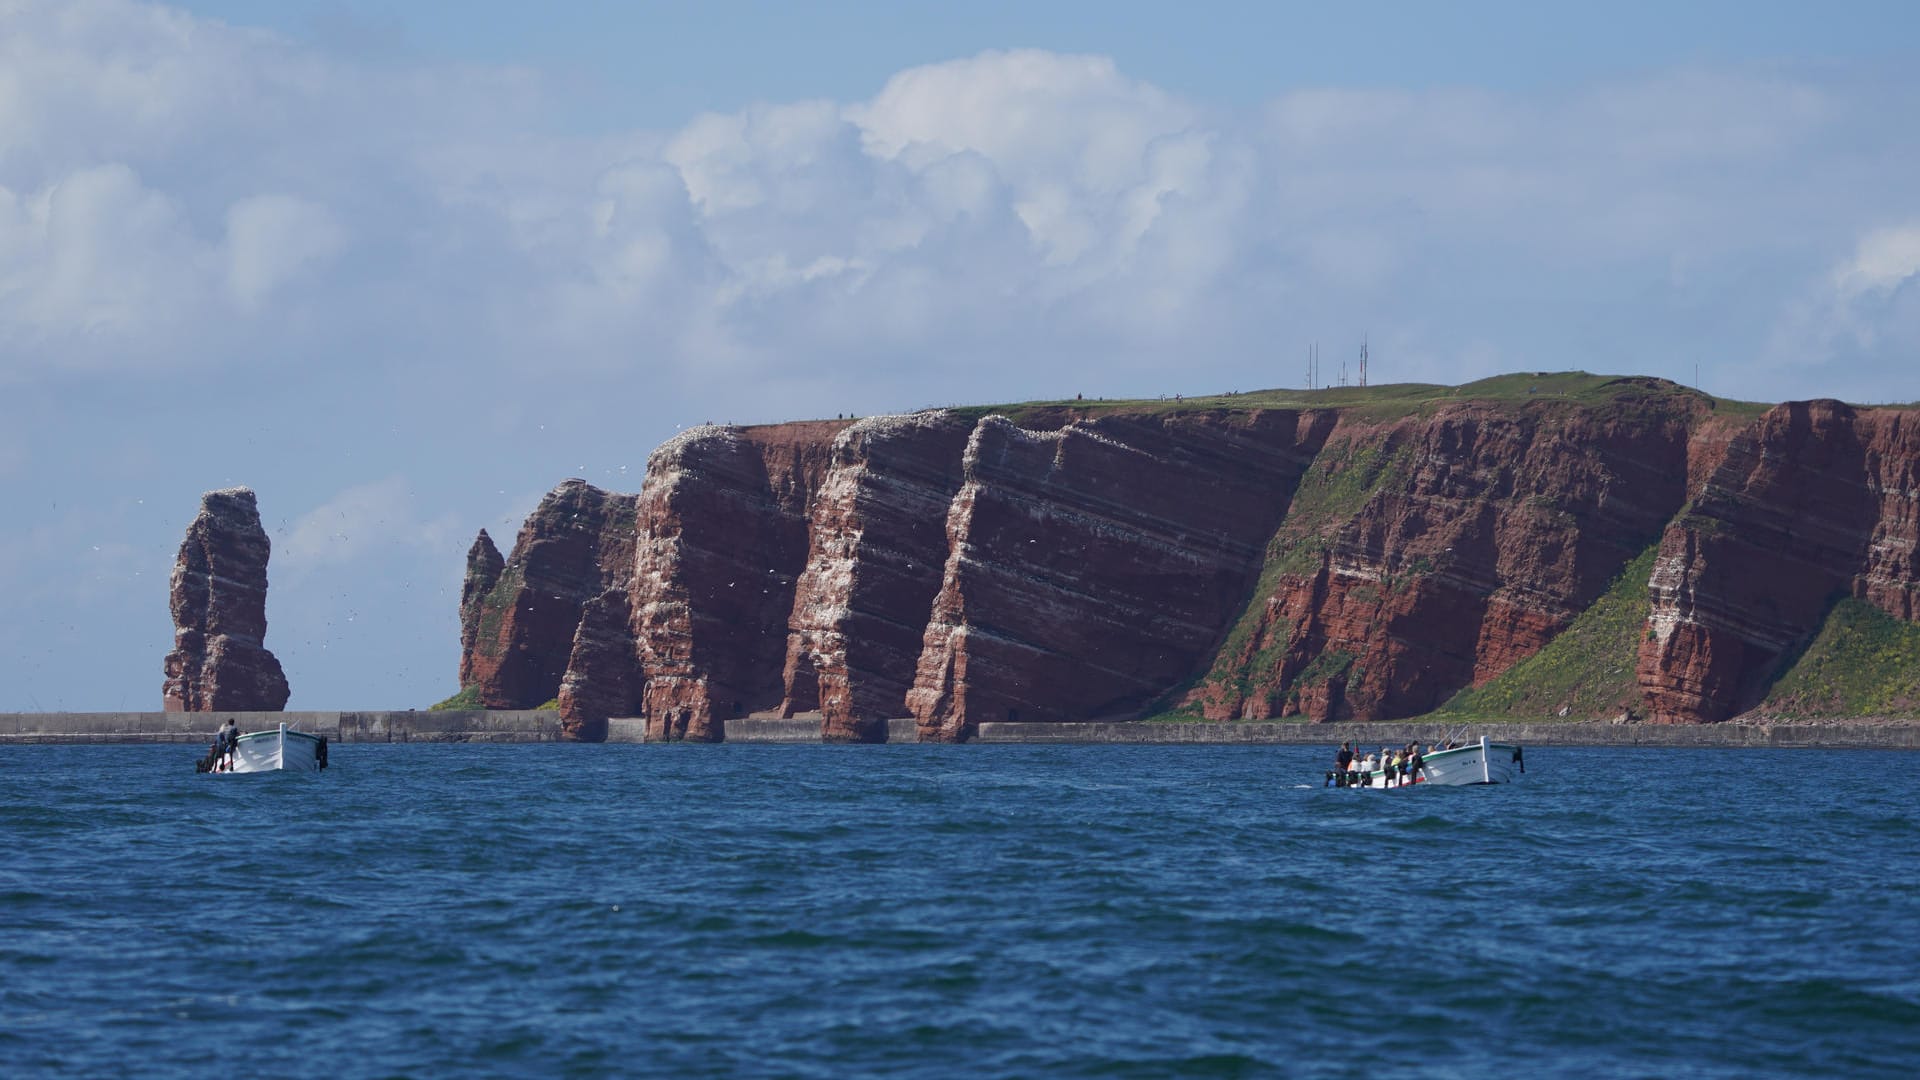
467, 698
1382, 402
1589, 667
1863, 662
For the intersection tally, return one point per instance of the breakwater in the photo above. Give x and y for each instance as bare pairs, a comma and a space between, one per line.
466, 725
528, 726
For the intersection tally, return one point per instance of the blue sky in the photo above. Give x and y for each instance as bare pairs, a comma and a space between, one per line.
402, 268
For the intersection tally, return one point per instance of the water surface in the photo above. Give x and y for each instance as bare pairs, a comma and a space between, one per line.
427, 910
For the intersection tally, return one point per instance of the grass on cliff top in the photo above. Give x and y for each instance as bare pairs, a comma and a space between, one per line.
1384, 402
1589, 668
467, 698
1862, 662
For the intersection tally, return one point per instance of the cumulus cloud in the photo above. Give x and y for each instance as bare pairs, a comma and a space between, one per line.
94, 257
271, 238
1884, 260
1858, 320
359, 522
174, 191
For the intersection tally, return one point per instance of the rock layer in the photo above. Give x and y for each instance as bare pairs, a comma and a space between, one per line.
1430, 554
218, 595
603, 678
520, 626
1814, 502
878, 546
1361, 562
722, 543
1090, 569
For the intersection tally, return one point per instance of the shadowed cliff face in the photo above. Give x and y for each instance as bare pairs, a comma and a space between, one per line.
484, 566
1090, 569
218, 596
1426, 555
1813, 502
723, 539
521, 624
603, 677
877, 548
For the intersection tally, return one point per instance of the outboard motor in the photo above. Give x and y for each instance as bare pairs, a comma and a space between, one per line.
320, 752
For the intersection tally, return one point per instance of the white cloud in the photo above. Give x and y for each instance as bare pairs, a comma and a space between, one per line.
94, 260
361, 522
1860, 321
176, 192
270, 238
1884, 259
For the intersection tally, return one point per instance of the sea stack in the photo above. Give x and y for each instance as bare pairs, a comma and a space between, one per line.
218, 593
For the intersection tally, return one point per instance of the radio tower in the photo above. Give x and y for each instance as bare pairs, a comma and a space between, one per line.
1363, 361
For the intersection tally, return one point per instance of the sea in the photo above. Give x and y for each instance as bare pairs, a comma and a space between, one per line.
941, 911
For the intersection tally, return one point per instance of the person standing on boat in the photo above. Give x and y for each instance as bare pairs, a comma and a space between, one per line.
217, 754
230, 737
1343, 763
1416, 765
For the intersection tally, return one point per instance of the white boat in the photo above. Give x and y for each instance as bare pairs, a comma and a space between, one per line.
282, 750
1483, 762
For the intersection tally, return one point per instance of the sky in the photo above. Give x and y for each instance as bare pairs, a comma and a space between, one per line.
403, 268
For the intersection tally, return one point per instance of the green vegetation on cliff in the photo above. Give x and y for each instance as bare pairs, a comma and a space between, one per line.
1863, 662
1378, 402
1332, 492
1589, 668
467, 698
493, 610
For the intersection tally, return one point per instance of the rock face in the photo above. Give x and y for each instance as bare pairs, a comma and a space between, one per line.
722, 543
519, 617
1430, 554
1813, 502
603, 677
484, 566
875, 559
1091, 568
1230, 560
218, 594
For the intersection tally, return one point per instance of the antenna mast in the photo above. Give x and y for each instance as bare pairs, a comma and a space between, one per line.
1363, 360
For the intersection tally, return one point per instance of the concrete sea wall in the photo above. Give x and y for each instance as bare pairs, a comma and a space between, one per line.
197, 727
526, 726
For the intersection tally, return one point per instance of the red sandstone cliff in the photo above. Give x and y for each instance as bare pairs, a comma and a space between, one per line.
722, 541
1814, 501
1092, 568
1356, 563
484, 566
218, 595
1431, 553
877, 549
518, 629
603, 677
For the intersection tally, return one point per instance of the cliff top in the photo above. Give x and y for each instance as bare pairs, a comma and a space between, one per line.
1397, 399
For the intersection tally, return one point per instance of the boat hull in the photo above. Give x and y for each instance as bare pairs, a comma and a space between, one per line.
1483, 762
282, 750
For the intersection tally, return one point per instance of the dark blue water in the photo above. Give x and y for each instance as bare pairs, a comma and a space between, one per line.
933, 911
